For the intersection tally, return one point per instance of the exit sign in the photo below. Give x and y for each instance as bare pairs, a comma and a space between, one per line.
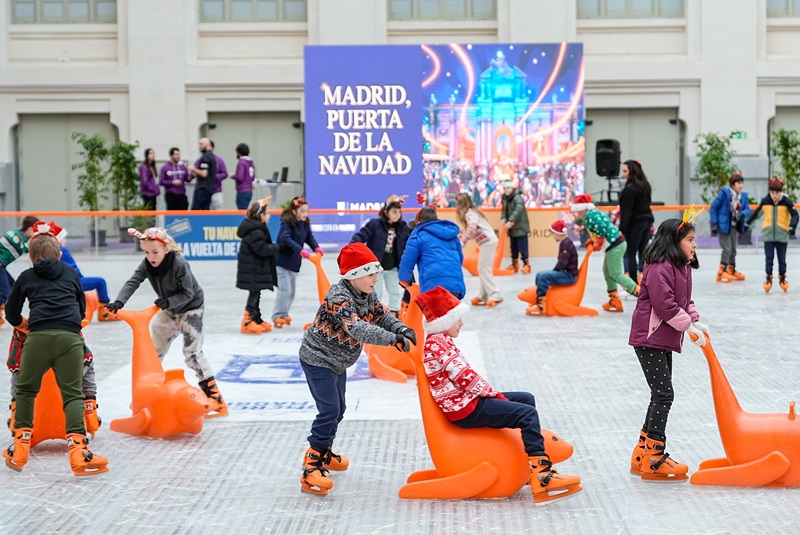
738, 134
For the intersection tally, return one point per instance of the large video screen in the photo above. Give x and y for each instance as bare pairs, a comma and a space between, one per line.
433, 121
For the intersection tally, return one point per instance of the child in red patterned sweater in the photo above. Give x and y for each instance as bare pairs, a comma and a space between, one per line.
470, 402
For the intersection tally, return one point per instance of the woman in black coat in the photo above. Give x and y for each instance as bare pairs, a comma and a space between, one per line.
255, 268
635, 216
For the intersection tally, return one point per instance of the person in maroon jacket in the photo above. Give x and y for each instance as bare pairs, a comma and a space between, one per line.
664, 312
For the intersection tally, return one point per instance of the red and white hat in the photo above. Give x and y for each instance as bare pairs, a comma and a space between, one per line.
558, 227
441, 309
582, 202
356, 260
50, 229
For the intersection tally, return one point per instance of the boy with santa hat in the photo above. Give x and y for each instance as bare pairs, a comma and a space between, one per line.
600, 229
349, 317
470, 402
565, 272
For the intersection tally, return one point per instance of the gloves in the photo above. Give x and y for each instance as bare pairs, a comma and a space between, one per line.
509, 224
791, 233
701, 339
590, 243
408, 333
402, 343
714, 230
113, 307
305, 254
319, 250
702, 326
162, 303
599, 244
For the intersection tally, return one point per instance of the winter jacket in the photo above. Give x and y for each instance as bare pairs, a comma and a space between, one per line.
435, 249
477, 229
567, 257
255, 268
780, 220
514, 212
172, 279
207, 162
665, 308
13, 244
375, 235
148, 185
291, 238
721, 211
245, 174
454, 385
67, 259
345, 321
174, 171
634, 206
55, 297
600, 226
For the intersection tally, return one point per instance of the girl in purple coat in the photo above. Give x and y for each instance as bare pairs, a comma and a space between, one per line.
664, 312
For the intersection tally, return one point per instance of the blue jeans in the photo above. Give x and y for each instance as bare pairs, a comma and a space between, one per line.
96, 283
243, 199
201, 199
328, 390
546, 279
6, 282
770, 247
517, 412
284, 296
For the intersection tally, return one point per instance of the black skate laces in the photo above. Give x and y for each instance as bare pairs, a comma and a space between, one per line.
316, 465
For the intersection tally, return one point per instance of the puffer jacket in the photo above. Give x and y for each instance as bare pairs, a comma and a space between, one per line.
780, 220
514, 212
255, 268
435, 249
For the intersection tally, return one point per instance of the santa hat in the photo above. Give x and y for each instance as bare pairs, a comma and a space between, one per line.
51, 229
558, 227
441, 309
582, 202
356, 260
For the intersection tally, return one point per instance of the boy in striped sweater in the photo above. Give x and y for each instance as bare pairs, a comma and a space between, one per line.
13, 244
470, 402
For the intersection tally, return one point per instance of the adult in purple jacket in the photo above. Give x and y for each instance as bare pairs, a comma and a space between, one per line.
664, 312
148, 179
244, 176
173, 177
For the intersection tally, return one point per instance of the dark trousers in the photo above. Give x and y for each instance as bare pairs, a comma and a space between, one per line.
149, 202
253, 306
519, 247
637, 237
328, 390
98, 284
6, 283
201, 199
243, 199
517, 412
657, 367
176, 201
770, 248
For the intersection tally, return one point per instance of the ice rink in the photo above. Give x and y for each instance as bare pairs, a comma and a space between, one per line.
240, 475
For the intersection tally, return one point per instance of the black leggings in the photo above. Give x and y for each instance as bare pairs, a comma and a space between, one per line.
637, 237
254, 305
657, 367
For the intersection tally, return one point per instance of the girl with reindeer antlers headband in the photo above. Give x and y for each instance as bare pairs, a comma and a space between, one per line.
180, 299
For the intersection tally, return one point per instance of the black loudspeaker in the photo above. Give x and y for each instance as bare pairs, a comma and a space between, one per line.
284, 174
606, 158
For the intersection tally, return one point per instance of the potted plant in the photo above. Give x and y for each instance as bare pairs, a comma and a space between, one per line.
92, 178
124, 184
785, 160
714, 163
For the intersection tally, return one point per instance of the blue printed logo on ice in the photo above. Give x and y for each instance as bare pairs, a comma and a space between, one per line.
278, 369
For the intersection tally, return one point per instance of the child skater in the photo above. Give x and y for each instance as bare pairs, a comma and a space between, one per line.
386, 237
57, 305
729, 209
600, 228
255, 267
294, 233
469, 402
180, 299
349, 317
476, 227
664, 312
13, 244
515, 219
565, 272
780, 222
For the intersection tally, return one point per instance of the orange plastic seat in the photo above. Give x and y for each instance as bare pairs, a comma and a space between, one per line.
469, 463
760, 449
564, 300
49, 421
470, 262
92, 304
163, 404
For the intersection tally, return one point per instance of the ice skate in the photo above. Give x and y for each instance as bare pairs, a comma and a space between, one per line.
493, 302
2, 315
315, 478
17, 454
723, 275
536, 309
735, 275
280, 322
614, 303
217, 404
478, 301
782, 282
526, 266
768, 284
83, 461
547, 484
514, 266
90, 416
636, 456
265, 326
335, 461
13, 408
249, 326
657, 464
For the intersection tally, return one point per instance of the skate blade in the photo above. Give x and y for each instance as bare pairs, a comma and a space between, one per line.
677, 478
89, 471
556, 494
14, 467
216, 414
312, 489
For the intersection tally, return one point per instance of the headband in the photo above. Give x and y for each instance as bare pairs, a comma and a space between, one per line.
149, 234
690, 215
262, 205
298, 201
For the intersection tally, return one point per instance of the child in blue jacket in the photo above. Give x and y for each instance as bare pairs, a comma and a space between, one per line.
294, 233
729, 210
435, 249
